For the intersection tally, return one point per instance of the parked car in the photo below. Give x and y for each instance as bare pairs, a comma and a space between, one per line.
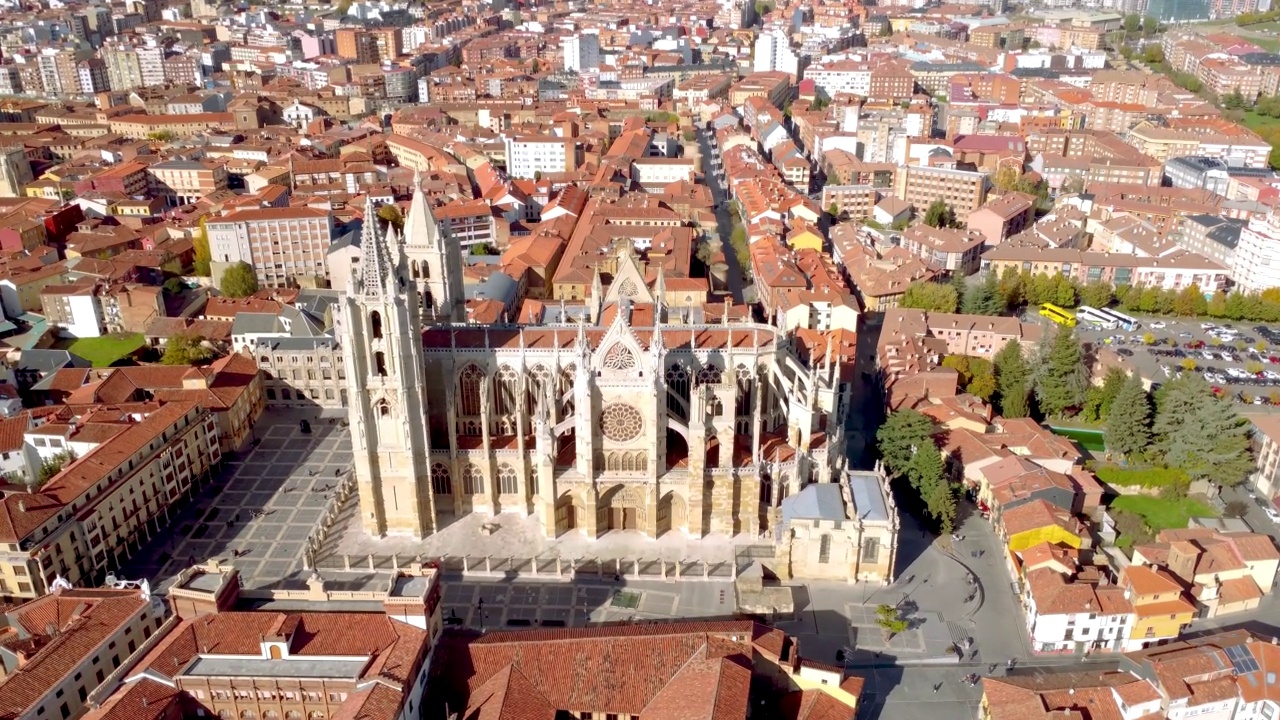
1157, 325
1272, 515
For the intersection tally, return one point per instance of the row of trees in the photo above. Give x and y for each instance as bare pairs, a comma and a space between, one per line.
910, 453
1015, 289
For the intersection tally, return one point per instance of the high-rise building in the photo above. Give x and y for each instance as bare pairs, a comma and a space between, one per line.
93, 76
356, 44
1255, 266
581, 52
773, 53
286, 246
124, 72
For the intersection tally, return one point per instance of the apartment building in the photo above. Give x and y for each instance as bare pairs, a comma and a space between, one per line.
66, 644
945, 249
89, 517
963, 191
296, 350
1173, 271
220, 660
533, 156
1162, 143
75, 310
1265, 479
1160, 608
1004, 217
356, 44
1255, 266
1064, 614
287, 247
140, 127
1211, 236
181, 182
973, 335
470, 222
775, 86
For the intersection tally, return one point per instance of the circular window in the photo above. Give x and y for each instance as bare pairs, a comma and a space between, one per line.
621, 422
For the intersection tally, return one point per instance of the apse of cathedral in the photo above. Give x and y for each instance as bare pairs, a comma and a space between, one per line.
614, 413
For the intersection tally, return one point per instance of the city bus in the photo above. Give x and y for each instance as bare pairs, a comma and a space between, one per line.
1129, 324
1095, 317
1058, 315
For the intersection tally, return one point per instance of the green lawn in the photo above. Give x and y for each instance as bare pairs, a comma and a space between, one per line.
105, 350
1161, 514
1091, 440
1254, 121
1149, 477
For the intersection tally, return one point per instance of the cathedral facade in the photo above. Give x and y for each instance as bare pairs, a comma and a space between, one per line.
614, 417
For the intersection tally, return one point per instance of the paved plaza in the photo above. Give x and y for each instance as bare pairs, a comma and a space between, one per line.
532, 603
259, 509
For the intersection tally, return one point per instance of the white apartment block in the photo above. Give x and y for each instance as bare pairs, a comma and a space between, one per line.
151, 63
773, 53
529, 157
1256, 264
841, 76
582, 52
1066, 616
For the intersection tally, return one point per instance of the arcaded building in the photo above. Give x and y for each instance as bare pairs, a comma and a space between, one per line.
616, 414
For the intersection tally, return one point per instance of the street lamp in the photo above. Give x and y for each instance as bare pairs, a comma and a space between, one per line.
480, 610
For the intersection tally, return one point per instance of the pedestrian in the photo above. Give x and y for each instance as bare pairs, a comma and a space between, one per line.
936, 686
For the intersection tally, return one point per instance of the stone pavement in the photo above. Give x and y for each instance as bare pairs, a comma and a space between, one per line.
260, 508
548, 603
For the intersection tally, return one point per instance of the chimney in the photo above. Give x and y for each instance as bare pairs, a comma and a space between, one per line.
22, 506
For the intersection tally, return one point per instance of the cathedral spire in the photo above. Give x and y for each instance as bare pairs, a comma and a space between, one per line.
597, 295
375, 260
659, 294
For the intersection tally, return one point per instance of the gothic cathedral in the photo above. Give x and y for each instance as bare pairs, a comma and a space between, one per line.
612, 416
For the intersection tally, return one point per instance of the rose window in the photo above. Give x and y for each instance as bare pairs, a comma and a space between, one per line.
621, 423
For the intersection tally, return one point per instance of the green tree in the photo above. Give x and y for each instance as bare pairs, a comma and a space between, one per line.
931, 296
982, 378
1061, 379
1064, 291
928, 477
1153, 55
1190, 302
185, 349
1149, 27
833, 209
1096, 294
1201, 434
53, 466
1218, 305
1013, 380
239, 280
959, 363
1100, 399
1132, 23
1009, 288
961, 284
939, 215
1129, 421
890, 621
900, 435
984, 298
390, 214
204, 257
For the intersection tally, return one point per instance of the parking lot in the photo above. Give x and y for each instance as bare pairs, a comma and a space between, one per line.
1225, 353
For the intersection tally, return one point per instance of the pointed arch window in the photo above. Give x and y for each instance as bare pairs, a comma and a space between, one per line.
628, 289
507, 480
506, 389
426, 270
678, 390
441, 483
471, 384
380, 363
473, 480
375, 325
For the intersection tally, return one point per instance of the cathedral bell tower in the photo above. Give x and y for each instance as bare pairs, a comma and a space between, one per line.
380, 328
435, 262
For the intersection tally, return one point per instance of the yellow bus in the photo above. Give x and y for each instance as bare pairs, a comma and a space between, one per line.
1058, 315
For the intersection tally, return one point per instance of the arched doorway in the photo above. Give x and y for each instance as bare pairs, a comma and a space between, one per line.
570, 513
673, 513
622, 507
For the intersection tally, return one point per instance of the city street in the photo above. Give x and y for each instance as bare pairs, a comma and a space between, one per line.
724, 223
